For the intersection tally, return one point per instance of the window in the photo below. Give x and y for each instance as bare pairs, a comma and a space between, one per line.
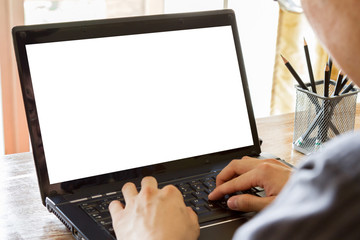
257, 23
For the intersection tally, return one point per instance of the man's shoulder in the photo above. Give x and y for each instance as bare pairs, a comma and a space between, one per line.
344, 145
343, 153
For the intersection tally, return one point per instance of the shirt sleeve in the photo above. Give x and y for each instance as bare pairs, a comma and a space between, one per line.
320, 201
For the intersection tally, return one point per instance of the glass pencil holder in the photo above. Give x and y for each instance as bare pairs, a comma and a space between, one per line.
319, 118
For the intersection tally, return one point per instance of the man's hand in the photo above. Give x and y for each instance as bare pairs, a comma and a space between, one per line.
246, 173
153, 213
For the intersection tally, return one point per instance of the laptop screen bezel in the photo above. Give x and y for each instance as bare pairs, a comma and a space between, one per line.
45, 33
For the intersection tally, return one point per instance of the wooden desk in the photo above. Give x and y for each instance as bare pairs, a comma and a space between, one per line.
22, 216
277, 135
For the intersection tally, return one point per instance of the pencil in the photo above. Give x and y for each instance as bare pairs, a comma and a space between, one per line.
330, 63
348, 88
322, 134
338, 84
308, 61
293, 72
343, 83
326, 80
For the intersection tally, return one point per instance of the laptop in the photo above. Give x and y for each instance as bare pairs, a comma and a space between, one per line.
111, 101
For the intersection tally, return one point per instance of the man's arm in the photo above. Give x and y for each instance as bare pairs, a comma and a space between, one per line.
336, 24
320, 200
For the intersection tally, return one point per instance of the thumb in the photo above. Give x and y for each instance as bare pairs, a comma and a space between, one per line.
193, 215
248, 203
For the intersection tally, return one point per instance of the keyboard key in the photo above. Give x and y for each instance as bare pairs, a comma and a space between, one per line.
258, 189
193, 182
188, 197
103, 207
213, 206
194, 191
198, 194
188, 203
223, 203
210, 185
110, 229
200, 209
207, 179
91, 209
99, 216
183, 185
185, 188
198, 187
105, 222
83, 205
261, 194
198, 202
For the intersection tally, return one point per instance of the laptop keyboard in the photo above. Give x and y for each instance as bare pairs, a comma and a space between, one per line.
194, 191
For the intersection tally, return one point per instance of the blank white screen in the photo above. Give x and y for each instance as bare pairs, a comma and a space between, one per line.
116, 103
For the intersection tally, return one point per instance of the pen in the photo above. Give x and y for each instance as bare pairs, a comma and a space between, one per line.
293, 72
308, 61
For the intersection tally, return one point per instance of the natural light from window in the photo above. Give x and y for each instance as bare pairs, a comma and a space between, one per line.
257, 23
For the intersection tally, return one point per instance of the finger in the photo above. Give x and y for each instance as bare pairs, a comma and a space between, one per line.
149, 182
170, 191
193, 215
129, 191
194, 224
248, 203
237, 167
240, 183
115, 207
148, 187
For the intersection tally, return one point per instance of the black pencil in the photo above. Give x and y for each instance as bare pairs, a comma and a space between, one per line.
348, 88
308, 61
293, 72
338, 84
326, 80
343, 83
330, 63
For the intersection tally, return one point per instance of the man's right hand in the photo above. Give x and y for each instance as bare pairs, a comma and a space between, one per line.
246, 173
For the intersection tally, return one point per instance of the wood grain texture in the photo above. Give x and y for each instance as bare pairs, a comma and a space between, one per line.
277, 135
22, 215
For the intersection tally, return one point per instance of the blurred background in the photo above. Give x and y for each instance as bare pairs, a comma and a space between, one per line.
266, 27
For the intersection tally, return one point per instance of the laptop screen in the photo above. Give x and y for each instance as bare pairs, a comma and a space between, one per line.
115, 103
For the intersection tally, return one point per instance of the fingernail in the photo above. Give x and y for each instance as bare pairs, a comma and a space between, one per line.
232, 204
210, 195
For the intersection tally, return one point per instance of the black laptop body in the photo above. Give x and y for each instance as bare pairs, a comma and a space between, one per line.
111, 101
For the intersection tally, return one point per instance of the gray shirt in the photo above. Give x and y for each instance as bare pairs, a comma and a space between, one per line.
320, 201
